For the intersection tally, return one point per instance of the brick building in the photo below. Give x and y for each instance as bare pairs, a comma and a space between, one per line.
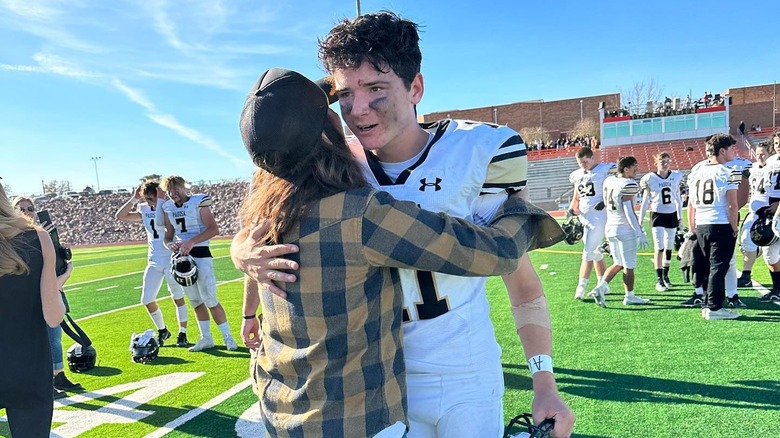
555, 117
753, 105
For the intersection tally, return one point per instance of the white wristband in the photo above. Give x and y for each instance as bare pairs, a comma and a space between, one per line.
540, 362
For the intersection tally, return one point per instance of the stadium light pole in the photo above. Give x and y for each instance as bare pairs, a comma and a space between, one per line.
357, 5
95, 160
581, 115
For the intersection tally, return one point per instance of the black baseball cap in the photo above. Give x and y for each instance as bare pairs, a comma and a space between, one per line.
284, 112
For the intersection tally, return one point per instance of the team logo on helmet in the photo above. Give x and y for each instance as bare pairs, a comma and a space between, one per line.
144, 346
573, 229
761, 231
525, 423
81, 358
184, 270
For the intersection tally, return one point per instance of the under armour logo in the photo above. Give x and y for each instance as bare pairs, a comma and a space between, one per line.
424, 183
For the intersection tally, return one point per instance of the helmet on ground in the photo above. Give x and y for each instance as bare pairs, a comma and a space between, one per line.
144, 347
81, 358
573, 229
184, 270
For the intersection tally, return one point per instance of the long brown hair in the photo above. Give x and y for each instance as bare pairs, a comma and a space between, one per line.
12, 223
283, 186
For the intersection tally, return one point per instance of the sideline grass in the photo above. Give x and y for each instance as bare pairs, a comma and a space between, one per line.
649, 371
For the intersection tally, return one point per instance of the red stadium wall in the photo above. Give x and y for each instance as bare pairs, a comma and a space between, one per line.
753, 105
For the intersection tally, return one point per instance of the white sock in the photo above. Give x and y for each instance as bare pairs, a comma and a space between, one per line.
157, 318
731, 293
630, 293
598, 279
225, 329
699, 291
181, 313
583, 282
182, 329
205, 328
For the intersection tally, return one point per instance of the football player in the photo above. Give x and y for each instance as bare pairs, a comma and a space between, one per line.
453, 362
772, 252
758, 198
159, 259
189, 224
661, 191
588, 203
713, 212
623, 230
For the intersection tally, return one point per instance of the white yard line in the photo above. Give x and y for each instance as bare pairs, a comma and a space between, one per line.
171, 426
106, 288
120, 275
760, 288
139, 304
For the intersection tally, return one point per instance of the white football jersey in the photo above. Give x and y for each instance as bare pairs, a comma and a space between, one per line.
186, 219
590, 184
615, 187
758, 182
155, 233
772, 175
664, 192
464, 171
707, 185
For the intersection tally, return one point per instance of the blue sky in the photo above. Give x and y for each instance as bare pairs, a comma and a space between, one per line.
154, 86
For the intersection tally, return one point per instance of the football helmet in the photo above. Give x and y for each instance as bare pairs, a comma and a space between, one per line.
761, 231
184, 270
144, 347
81, 358
526, 421
605, 249
679, 238
573, 229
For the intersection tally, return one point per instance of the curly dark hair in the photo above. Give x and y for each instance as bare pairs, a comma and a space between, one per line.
714, 143
625, 162
384, 39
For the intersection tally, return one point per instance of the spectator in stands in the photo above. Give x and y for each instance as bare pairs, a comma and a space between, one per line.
61, 383
623, 230
753, 127
742, 128
31, 301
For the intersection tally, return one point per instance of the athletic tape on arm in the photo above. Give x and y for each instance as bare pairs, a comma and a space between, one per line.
533, 312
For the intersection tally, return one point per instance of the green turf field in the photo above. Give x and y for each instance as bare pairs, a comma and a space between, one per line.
649, 371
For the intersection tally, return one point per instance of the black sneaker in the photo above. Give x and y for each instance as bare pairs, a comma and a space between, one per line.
163, 335
181, 341
744, 281
62, 382
694, 301
59, 394
771, 297
736, 302
667, 281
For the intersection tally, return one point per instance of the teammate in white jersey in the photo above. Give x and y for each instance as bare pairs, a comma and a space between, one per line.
713, 212
758, 198
159, 257
623, 230
454, 374
189, 224
588, 203
772, 252
661, 191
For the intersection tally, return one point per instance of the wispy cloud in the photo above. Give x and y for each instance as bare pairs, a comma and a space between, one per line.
50, 64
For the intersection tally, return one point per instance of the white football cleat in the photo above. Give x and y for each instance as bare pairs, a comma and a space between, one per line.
579, 294
633, 299
598, 294
202, 344
230, 344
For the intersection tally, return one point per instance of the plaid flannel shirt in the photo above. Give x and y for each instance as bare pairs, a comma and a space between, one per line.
333, 364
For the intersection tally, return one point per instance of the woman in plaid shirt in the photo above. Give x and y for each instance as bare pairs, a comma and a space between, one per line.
327, 358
